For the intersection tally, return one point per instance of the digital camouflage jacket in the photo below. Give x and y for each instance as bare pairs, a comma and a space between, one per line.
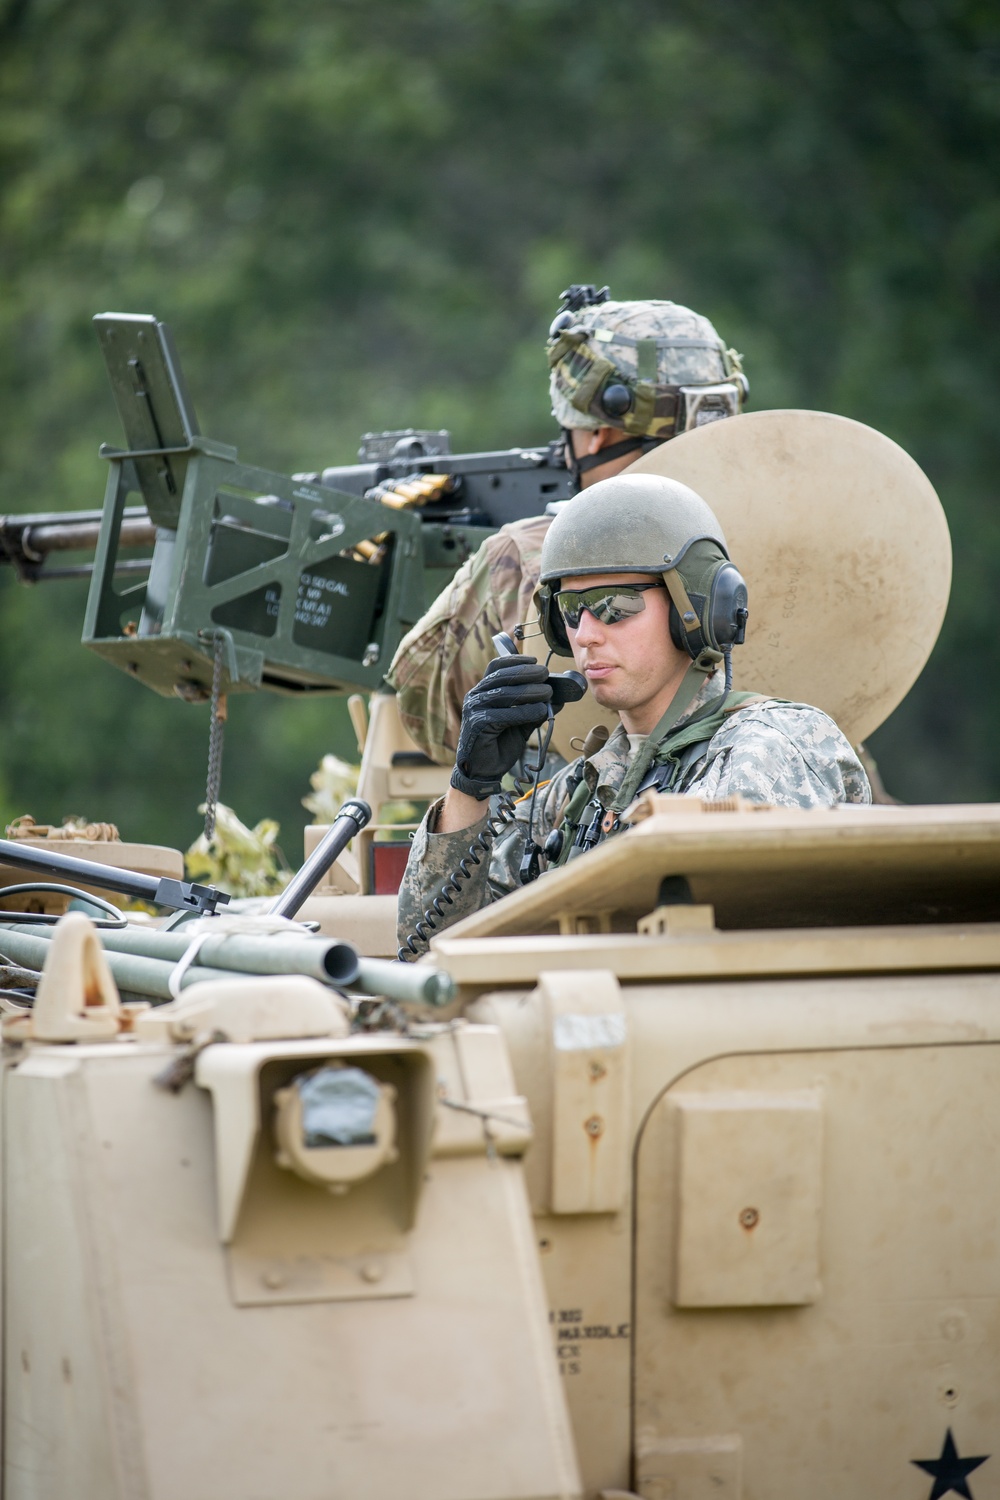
787, 754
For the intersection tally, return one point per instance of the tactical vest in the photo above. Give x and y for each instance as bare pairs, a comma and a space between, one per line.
586, 822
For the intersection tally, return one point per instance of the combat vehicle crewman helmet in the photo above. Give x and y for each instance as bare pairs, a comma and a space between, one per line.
645, 524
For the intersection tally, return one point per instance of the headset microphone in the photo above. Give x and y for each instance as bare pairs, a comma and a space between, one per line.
567, 687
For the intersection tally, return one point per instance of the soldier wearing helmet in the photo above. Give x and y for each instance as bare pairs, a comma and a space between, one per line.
638, 587
648, 369
624, 377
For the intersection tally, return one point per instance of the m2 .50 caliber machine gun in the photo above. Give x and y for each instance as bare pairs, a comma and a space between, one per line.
298, 584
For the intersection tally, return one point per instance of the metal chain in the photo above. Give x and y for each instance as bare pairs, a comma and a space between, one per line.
215, 738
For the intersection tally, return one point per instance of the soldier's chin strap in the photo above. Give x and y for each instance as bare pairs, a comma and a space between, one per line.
580, 466
690, 686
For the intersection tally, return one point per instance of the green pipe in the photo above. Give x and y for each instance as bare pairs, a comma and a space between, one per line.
409, 984
149, 977
327, 959
142, 960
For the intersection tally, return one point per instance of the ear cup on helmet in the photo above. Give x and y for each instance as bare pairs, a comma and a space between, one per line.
722, 613
727, 608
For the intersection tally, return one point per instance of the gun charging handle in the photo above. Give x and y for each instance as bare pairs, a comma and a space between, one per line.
350, 820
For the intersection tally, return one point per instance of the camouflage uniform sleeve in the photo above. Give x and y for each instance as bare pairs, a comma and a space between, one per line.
788, 754
435, 856
446, 653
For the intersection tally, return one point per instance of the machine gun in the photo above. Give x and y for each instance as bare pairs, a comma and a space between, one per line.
298, 584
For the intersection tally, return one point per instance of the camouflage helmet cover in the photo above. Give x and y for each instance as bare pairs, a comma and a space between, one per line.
651, 347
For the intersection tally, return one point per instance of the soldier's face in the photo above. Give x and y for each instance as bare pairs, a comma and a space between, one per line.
632, 666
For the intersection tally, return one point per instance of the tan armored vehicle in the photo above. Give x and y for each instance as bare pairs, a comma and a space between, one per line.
686, 1190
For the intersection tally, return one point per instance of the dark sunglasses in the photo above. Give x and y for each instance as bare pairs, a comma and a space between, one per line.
607, 603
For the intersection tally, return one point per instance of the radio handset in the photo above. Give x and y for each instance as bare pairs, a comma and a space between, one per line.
567, 687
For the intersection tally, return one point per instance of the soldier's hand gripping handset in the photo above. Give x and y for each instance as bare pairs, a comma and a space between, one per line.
514, 697
499, 716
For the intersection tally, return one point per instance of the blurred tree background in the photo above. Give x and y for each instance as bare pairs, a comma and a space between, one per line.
360, 214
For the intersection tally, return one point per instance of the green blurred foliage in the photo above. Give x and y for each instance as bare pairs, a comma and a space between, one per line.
360, 215
332, 782
240, 860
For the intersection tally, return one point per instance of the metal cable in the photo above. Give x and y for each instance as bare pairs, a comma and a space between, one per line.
215, 739
117, 921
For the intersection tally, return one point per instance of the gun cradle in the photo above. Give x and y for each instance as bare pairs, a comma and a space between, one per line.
270, 562
309, 581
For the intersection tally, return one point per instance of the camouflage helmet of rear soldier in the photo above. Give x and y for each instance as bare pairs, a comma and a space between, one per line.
652, 369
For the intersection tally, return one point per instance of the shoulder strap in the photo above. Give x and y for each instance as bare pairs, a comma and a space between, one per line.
569, 822
703, 729
690, 686
682, 751
669, 747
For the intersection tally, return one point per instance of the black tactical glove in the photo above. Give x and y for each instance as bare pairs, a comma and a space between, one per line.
499, 716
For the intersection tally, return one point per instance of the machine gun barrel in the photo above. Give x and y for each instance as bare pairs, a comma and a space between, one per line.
27, 541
